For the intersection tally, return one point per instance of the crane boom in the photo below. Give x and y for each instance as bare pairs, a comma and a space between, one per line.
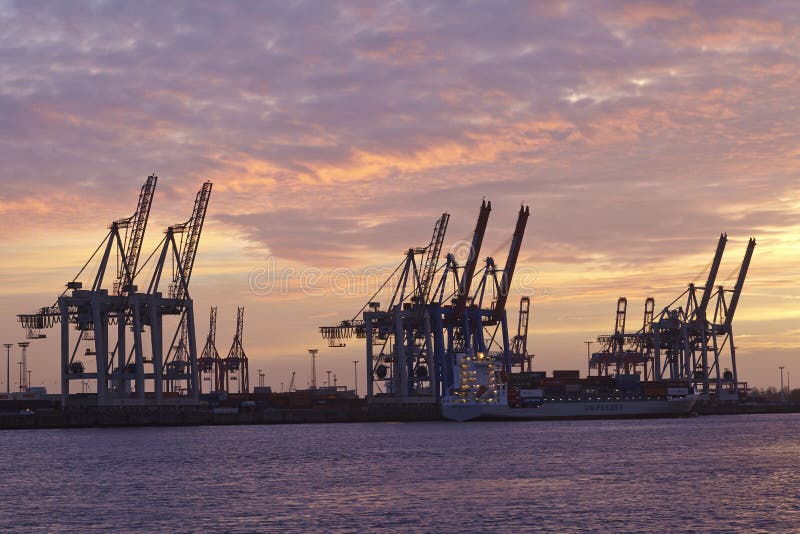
737, 290
212, 326
237, 350
622, 308
472, 258
649, 308
712, 276
239, 323
519, 345
511, 263
619, 325
433, 250
192, 229
522, 325
137, 223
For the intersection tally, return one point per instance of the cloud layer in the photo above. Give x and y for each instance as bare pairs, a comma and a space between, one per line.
337, 133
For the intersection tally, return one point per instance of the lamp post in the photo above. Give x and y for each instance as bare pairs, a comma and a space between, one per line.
8, 366
313, 353
783, 398
23, 371
589, 358
355, 376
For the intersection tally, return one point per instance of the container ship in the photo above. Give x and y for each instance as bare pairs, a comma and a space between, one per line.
482, 391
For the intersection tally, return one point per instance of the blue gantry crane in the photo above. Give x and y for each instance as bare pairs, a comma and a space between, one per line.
235, 367
92, 310
209, 363
687, 340
519, 343
411, 344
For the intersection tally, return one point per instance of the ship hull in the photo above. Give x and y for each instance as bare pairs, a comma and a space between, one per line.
611, 409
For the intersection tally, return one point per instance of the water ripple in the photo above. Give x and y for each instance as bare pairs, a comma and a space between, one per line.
708, 474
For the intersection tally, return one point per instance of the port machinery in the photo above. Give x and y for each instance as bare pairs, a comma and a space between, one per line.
91, 311
519, 344
220, 372
209, 363
235, 367
690, 339
434, 315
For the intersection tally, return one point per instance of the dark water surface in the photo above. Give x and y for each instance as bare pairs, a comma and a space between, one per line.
727, 473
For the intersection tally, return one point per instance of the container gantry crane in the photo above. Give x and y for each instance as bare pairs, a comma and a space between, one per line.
623, 352
519, 344
685, 341
683, 331
178, 366
399, 340
687, 345
727, 382
411, 345
93, 310
209, 363
235, 364
400, 351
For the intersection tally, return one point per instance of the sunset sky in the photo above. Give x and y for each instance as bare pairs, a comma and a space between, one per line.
337, 133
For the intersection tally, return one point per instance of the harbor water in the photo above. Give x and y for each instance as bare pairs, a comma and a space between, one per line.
702, 474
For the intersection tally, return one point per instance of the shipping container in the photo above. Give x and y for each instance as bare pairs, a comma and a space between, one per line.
678, 391
628, 379
551, 382
596, 380
524, 380
566, 374
672, 383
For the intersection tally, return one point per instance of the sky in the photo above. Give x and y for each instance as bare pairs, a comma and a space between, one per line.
337, 133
